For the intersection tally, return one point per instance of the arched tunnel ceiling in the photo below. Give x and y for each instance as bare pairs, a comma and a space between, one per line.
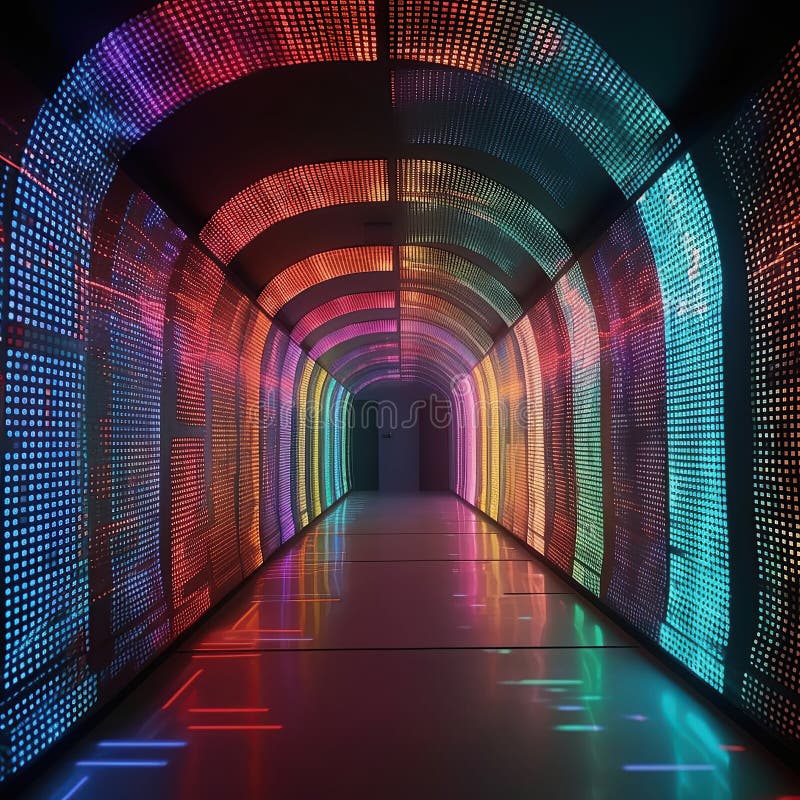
437, 144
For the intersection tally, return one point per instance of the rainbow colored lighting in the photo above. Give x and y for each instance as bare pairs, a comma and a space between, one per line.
339, 308
165, 433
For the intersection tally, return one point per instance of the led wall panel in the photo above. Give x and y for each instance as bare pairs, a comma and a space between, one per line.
429, 223
458, 279
132, 79
374, 353
759, 153
513, 439
182, 368
135, 249
347, 332
272, 423
552, 342
289, 440
633, 358
432, 183
414, 330
477, 112
294, 280
430, 308
548, 59
581, 323
684, 244
250, 408
286, 194
534, 422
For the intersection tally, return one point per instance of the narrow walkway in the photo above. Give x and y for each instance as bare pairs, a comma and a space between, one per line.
407, 648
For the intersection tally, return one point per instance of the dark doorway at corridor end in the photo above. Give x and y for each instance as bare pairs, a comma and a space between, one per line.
400, 438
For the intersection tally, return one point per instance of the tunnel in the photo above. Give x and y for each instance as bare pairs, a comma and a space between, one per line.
400, 399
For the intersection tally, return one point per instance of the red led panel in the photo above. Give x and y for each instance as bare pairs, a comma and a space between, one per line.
287, 194
319, 268
249, 413
191, 596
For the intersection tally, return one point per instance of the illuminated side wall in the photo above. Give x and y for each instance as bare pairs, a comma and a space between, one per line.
609, 395
760, 156
209, 438
600, 425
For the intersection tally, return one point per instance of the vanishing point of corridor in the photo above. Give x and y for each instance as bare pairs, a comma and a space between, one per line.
407, 647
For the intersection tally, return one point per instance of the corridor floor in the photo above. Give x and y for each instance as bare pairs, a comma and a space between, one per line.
405, 647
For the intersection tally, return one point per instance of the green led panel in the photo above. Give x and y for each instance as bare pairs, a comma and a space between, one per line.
684, 245
581, 322
546, 57
432, 267
435, 183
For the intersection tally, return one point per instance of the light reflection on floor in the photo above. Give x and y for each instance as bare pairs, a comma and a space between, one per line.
406, 648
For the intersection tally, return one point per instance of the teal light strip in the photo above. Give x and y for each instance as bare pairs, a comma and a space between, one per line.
686, 253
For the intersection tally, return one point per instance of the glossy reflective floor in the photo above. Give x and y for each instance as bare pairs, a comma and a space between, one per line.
407, 648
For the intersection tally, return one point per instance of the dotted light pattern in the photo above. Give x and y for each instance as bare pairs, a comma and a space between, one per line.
347, 332
437, 336
135, 248
445, 226
372, 354
115, 94
507, 368
581, 323
368, 347
684, 244
321, 267
57, 293
272, 446
631, 322
282, 195
288, 442
431, 268
759, 153
431, 308
250, 406
432, 183
338, 309
158, 307
221, 368
463, 109
487, 440
532, 377
548, 59
552, 341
